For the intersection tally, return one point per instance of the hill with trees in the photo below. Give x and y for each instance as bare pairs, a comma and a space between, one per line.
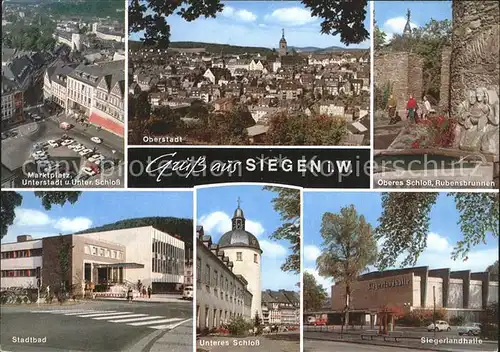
87, 8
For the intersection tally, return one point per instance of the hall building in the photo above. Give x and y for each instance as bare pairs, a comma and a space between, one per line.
109, 259
459, 293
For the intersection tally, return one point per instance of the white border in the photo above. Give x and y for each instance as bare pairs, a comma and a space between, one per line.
301, 282
195, 262
372, 98
125, 103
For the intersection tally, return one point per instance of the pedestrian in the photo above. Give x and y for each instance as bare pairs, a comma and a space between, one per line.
129, 295
391, 107
149, 291
411, 108
144, 292
428, 108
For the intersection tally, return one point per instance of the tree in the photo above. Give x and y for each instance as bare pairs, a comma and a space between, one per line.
404, 224
11, 200
325, 130
142, 106
287, 204
379, 38
493, 269
348, 248
287, 129
314, 293
150, 17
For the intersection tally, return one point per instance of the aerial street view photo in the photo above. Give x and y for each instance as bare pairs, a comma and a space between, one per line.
247, 269
96, 271
63, 88
400, 271
249, 73
436, 94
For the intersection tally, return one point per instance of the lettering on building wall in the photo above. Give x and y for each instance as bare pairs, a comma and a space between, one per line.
388, 284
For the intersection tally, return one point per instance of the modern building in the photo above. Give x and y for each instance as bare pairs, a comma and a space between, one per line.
221, 293
280, 307
12, 103
108, 258
459, 293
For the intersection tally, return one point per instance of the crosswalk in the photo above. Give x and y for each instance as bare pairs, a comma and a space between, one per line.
157, 322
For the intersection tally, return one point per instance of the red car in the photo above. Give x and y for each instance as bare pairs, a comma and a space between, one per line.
319, 322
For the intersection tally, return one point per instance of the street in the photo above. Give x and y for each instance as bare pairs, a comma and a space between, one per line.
284, 342
98, 326
327, 346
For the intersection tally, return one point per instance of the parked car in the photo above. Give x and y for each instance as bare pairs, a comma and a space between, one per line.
35, 117
96, 157
39, 155
440, 325
79, 148
89, 171
52, 168
469, 329
67, 142
187, 293
75, 146
96, 140
320, 322
53, 143
66, 126
85, 152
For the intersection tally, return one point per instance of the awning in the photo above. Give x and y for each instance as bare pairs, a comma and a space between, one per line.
121, 265
107, 124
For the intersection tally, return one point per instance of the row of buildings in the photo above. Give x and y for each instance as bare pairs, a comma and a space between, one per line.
229, 281
109, 258
95, 92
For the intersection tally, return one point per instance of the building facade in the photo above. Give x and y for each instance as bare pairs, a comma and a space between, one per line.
280, 307
120, 257
12, 104
221, 294
459, 293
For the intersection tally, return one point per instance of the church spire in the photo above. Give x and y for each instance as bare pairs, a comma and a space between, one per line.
407, 29
283, 33
238, 217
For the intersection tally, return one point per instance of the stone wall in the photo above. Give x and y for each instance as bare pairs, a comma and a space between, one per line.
444, 90
475, 52
404, 71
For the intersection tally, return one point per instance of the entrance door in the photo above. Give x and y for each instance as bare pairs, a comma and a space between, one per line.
88, 272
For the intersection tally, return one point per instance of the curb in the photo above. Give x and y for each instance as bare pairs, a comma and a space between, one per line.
426, 347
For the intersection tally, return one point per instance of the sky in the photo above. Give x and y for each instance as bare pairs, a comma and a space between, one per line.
391, 15
95, 208
257, 23
215, 208
443, 231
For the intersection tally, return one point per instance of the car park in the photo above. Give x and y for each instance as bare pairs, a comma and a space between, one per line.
96, 140
52, 168
39, 155
439, 325
95, 157
82, 177
78, 148
470, 329
89, 171
74, 146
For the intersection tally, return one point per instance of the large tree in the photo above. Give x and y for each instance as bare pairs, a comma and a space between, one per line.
150, 17
404, 224
11, 200
314, 293
493, 269
348, 248
287, 204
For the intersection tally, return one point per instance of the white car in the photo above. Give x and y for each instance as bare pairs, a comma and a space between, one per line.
187, 293
36, 117
51, 168
88, 171
39, 155
74, 145
67, 142
469, 329
79, 148
53, 143
440, 325
85, 152
96, 140
96, 157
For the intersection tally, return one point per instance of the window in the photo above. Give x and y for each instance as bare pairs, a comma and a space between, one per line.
255, 258
239, 256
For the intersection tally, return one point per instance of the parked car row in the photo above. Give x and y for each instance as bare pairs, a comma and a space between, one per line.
9, 134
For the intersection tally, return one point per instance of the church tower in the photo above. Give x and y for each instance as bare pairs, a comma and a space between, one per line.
283, 47
243, 249
407, 29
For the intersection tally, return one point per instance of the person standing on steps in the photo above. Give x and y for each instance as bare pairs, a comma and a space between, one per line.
411, 108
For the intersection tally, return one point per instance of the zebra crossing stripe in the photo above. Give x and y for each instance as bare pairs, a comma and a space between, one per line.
142, 323
170, 326
134, 319
93, 312
122, 316
97, 314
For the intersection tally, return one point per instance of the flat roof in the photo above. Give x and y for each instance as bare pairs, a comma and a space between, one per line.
121, 265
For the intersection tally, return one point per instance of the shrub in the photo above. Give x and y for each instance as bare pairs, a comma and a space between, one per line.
420, 317
457, 320
239, 326
440, 133
489, 322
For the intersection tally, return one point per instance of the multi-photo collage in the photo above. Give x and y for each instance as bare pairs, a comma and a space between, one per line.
247, 176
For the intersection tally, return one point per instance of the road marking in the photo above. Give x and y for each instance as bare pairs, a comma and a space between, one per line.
170, 327
134, 319
90, 314
59, 311
123, 316
93, 312
155, 322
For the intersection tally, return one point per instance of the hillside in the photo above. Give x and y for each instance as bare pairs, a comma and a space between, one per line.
173, 226
113, 9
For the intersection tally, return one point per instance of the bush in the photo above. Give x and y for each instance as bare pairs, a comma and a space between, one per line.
239, 326
489, 322
457, 320
420, 317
